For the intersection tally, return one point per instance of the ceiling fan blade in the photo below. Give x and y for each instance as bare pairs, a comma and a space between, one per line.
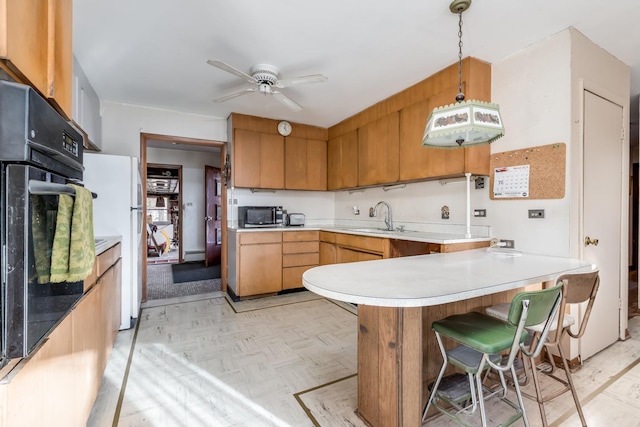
286, 100
313, 78
228, 68
235, 94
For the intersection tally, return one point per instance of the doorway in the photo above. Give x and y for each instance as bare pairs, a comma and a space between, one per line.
191, 216
163, 225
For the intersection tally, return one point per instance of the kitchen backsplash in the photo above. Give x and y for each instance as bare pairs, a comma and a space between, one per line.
417, 206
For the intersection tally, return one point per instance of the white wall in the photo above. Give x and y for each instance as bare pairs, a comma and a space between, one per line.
122, 125
417, 206
533, 88
193, 202
318, 206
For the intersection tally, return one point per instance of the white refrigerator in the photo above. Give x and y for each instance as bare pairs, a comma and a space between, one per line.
117, 211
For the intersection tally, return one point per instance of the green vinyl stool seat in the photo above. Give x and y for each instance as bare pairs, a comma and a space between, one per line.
481, 341
483, 333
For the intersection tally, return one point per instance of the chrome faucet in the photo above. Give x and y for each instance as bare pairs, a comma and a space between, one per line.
388, 219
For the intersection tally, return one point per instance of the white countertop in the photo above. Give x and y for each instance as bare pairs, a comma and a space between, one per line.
418, 236
105, 242
426, 280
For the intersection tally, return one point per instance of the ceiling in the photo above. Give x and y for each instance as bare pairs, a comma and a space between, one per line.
154, 52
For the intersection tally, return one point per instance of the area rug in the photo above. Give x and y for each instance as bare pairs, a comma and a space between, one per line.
160, 284
194, 271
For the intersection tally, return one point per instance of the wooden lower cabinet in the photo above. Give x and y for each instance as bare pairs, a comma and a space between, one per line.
300, 252
337, 248
58, 383
259, 263
268, 262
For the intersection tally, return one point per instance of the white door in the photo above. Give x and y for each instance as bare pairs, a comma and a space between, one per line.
602, 216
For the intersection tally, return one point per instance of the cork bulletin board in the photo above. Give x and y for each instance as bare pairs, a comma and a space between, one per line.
529, 173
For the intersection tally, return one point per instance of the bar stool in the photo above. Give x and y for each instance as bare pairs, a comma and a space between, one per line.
578, 289
481, 339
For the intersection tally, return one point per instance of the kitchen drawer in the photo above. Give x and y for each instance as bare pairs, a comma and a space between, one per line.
107, 259
294, 260
300, 236
260, 237
300, 247
292, 276
369, 244
92, 278
326, 236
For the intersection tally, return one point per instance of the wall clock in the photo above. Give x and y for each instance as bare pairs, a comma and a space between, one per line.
284, 128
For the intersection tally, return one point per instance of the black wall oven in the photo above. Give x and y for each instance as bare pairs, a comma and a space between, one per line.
39, 154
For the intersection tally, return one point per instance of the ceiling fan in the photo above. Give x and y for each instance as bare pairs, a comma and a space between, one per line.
263, 78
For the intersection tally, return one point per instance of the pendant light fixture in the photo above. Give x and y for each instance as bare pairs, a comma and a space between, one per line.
160, 203
465, 122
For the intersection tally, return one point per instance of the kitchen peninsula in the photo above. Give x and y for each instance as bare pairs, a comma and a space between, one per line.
397, 301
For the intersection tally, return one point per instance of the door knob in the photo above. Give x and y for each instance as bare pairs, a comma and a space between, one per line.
208, 218
589, 241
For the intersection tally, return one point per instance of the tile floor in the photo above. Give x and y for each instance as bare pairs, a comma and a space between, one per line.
291, 361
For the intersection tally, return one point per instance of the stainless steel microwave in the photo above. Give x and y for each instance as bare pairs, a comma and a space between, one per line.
259, 216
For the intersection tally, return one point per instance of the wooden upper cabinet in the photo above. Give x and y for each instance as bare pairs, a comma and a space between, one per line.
414, 157
342, 161
262, 158
379, 151
445, 162
24, 40
246, 158
271, 161
36, 47
258, 160
60, 56
305, 164
409, 160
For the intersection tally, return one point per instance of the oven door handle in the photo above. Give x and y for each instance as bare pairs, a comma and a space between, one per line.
43, 188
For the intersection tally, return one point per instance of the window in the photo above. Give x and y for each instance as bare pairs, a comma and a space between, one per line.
158, 214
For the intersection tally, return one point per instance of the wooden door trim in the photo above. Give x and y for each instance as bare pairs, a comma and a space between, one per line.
169, 139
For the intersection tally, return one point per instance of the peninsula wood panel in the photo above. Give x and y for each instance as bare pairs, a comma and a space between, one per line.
379, 151
342, 161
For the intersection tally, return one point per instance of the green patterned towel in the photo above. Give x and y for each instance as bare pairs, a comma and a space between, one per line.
43, 223
74, 250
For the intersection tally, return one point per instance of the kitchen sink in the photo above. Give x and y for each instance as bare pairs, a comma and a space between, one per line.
371, 230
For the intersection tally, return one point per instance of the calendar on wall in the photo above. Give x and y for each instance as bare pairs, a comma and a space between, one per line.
511, 181
529, 173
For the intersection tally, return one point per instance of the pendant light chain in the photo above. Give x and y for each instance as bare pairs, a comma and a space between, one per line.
460, 96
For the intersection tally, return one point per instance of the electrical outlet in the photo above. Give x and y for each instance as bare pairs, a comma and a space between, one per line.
510, 244
536, 213
480, 213
479, 182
